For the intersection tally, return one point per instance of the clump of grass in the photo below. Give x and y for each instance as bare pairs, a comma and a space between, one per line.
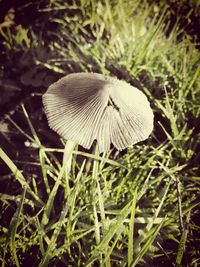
126, 209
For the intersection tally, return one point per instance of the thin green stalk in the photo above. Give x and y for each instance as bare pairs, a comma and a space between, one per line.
182, 243
13, 228
131, 230
95, 181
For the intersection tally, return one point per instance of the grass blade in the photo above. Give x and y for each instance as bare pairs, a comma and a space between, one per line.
182, 243
147, 244
13, 228
131, 230
19, 176
52, 244
115, 226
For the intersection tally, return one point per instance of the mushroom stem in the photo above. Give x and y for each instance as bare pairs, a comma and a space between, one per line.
94, 187
97, 192
67, 160
67, 155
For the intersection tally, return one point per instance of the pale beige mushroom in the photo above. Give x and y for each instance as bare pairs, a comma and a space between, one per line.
83, 107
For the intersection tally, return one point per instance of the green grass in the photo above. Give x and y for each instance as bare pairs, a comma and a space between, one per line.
136, 208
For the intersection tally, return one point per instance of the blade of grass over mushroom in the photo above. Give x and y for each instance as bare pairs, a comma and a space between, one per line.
101, 159
88, 155
19, 176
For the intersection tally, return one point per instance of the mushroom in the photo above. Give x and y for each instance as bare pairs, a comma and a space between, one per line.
83, 107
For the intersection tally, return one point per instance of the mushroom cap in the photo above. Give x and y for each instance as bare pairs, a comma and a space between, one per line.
84, 107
